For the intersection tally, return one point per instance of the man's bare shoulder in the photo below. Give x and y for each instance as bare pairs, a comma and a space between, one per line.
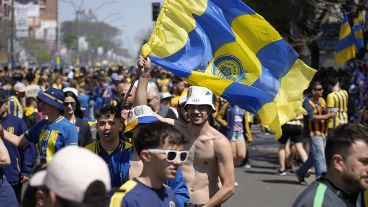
181, 126
220, 140
217, 136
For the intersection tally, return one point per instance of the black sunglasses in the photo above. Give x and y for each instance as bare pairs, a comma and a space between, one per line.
72, 104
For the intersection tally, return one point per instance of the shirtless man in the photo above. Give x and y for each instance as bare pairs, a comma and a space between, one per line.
210, 156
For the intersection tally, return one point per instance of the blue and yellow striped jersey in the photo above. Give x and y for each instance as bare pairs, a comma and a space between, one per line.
338, 100
315, 107
52, 136
14, 107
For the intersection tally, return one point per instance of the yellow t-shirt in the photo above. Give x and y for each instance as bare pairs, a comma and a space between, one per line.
338, 100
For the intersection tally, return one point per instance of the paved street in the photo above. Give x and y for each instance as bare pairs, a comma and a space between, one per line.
260, 186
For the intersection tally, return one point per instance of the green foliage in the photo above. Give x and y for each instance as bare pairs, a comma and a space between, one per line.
98, 34
4, 40
38, 49
279, 13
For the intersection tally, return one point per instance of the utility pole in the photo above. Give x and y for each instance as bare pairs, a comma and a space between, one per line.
57, 27
77, 62
12, 36
57, 54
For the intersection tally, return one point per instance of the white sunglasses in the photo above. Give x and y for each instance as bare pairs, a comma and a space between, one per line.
171, 155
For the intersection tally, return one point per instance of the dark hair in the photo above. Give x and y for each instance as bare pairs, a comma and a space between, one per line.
30, 77
154, 134
331, 76
41, 81
341, 139
30, 100
313, 84
3, 95
78, 111
95, 196
108, 110
177, 80
29, 198
7, 80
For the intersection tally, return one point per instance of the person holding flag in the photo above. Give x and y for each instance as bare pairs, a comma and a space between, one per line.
210, 157
230, 49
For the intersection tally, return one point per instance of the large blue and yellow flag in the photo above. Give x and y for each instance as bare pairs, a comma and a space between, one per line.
346, 47
358, 31
228, 48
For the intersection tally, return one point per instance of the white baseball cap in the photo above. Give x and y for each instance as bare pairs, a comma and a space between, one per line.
70, 173
198, 95
19, 87
166, 95
140, 115
73, 90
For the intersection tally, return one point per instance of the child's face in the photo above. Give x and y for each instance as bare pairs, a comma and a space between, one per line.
165, 169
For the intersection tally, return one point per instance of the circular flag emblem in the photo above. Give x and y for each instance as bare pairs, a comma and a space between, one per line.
228, 67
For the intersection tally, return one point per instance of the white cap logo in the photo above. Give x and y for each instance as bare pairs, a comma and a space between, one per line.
200, 96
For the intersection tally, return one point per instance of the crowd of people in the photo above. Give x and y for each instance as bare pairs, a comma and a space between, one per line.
147, 138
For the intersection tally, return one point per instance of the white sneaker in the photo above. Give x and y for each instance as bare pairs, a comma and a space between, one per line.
247, 166
282, 173
236, 184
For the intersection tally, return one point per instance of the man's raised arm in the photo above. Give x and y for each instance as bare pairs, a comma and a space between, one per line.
12, 138
141, 92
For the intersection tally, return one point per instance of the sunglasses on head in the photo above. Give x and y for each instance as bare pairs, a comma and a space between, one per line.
171, 155
72, 104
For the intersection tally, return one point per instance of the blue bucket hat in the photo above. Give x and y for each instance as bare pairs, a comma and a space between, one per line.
53, 97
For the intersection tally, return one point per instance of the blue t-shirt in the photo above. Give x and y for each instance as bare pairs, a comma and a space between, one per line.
118, 161
22, 159
52, 136
83, 100
135, 194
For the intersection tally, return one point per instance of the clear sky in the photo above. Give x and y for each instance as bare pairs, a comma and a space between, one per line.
132, 17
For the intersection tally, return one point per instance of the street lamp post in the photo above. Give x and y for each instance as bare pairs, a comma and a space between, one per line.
77, 62
111, 15
12, 36
102, 5
57, 28
112, 20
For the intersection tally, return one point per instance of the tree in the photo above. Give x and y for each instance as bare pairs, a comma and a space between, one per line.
98, 34
299, 22
4, 40
38, 49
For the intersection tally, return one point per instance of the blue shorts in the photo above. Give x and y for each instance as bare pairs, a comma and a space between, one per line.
7, 195
237, 136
